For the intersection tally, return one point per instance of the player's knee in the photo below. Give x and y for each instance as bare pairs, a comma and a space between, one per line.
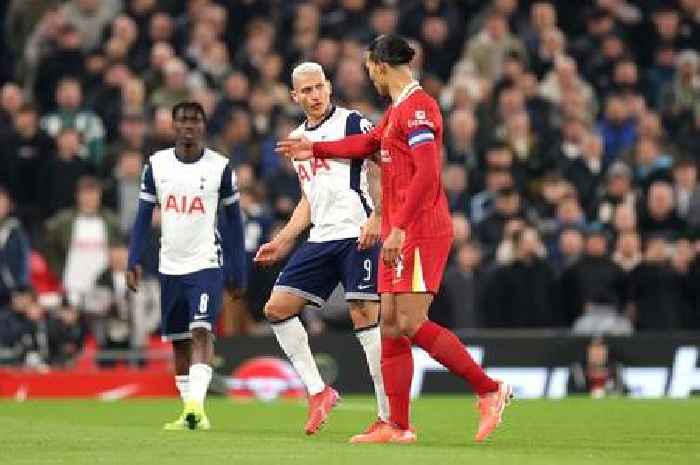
407, 327
275, 311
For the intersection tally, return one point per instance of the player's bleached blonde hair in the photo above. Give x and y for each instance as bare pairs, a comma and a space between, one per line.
307, 67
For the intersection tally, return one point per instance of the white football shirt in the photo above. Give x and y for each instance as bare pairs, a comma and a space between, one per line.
189, 193
337, 189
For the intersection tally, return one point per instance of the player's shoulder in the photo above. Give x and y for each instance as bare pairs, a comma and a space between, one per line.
355, 122
420, 109
161, 155
420, 99
215, 157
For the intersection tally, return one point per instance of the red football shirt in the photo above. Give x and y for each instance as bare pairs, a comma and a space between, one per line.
414, 119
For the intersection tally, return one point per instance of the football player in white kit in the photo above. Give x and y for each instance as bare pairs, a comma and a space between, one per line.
193, 186
342, 245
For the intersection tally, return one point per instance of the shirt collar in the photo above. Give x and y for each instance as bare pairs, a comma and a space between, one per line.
406, 91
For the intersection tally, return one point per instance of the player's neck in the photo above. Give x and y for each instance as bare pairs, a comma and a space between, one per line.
313, 122
189, 154
398, 85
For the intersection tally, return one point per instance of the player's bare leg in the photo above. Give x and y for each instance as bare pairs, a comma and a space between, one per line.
445, 347
365, 319
182, 351
282, 312
200, 373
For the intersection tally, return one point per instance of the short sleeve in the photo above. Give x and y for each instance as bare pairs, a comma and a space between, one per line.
228, 192
420, 121
357, 124
148, 185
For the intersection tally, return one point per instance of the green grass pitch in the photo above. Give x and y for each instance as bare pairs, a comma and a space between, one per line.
537, 432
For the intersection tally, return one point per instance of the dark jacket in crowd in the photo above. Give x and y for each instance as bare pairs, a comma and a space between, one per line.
589, 277
14, 258
520, 295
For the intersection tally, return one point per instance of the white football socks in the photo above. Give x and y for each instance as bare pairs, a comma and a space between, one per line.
183, 386
200, 377
372, 344
294, 340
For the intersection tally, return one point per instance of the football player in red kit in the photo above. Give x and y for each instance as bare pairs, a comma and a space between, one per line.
416, 234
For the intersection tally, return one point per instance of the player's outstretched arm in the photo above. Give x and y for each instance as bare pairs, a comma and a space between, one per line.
271, 252
357, 146
139, 232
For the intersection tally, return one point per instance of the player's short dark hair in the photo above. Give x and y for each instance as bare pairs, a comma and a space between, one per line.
391, 49
189, 105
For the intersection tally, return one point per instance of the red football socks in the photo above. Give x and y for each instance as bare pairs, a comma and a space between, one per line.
397, 371
442, 344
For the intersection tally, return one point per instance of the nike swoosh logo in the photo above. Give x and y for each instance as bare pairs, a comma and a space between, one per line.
200, 317
367, 286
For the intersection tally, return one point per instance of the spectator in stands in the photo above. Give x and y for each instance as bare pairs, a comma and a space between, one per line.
59, 176
586, 171
656, 289
455, 183
112, 305
90, 17
161, 53
14, 252
486, 51
66, 60
595, 274
563, 80
123, 187
132, 137
570, 249
523, 293
628, 250
65, 334
11, 100
162, 135
78, 240
682, 96
236, 139
650, 163
617, 128
24, 153
617, 190
687, 192
689, 139
459, 298
71, 114
507, 206
174, 87
461, 144
659, 217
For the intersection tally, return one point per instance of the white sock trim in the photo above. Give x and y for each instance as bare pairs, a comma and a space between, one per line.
183, 386
371, 341
200, 377
294, 341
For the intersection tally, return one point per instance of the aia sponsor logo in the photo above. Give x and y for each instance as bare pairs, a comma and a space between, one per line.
184, 204
315, 165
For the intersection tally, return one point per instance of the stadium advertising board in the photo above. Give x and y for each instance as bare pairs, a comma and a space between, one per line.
647, 366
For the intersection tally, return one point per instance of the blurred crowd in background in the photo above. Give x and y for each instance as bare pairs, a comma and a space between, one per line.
571, 152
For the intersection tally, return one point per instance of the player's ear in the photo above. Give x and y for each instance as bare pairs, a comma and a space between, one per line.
294, 95
329, 85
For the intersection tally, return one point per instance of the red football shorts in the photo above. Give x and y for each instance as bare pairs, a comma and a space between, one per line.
419, 269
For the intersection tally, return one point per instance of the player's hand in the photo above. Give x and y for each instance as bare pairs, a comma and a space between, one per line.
133, 278
297, 149
369, 232
271, 252
393, 244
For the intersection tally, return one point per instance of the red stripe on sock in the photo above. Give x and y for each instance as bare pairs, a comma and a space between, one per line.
397, 371
445, 347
